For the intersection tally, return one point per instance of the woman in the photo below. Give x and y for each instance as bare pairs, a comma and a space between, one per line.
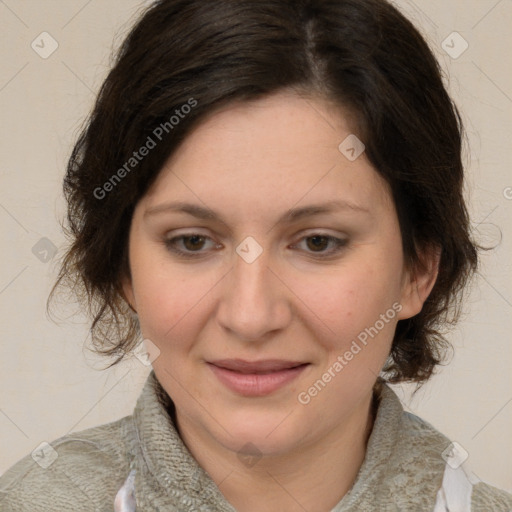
270, 194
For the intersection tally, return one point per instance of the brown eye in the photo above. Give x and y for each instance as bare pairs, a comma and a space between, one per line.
193, 243
322, 245
318, 242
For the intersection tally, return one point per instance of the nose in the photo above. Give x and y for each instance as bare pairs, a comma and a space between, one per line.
254, 301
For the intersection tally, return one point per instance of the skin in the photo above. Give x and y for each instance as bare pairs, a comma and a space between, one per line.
251, 163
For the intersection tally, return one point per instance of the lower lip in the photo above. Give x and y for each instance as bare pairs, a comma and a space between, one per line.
256, 384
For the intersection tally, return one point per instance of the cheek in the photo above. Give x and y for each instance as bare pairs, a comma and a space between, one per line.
172, 303
357, 307
347, 301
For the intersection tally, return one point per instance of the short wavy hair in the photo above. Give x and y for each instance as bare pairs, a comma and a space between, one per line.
364, 55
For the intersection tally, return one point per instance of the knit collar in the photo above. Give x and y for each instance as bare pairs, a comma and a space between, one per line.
169, 478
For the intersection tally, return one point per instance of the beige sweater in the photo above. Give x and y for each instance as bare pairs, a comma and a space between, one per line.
402, 471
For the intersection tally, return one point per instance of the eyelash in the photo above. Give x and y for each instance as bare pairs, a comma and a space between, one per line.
339, 245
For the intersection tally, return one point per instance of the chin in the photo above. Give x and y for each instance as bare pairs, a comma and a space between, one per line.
270, 432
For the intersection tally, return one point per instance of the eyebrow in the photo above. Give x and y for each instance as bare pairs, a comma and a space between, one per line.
289, 216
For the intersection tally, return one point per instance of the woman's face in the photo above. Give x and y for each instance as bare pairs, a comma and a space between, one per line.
267, 267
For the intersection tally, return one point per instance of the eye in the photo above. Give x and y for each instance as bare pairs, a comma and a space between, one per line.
192, 242
318, 242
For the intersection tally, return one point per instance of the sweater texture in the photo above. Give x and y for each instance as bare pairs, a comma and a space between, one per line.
402, 470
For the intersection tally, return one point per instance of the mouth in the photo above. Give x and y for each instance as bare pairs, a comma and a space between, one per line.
256, 378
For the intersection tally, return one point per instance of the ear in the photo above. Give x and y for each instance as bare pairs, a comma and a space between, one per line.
417, 283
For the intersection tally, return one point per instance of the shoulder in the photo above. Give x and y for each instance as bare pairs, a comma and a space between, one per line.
80, 471
429, 448
485, 497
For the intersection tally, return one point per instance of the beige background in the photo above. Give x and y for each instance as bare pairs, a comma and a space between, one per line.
50, 386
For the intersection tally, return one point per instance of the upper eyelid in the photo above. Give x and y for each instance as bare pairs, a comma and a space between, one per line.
311, 233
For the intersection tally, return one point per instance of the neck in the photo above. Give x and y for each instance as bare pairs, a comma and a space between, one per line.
315, 476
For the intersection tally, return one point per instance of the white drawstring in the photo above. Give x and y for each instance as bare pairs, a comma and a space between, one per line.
455, 492
125, 497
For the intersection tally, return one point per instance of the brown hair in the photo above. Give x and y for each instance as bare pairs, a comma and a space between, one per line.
361, 54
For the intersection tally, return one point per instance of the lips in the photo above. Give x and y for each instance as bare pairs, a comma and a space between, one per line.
256, 367
256, 378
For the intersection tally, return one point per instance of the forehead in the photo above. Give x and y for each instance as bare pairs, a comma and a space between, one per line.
269, 154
